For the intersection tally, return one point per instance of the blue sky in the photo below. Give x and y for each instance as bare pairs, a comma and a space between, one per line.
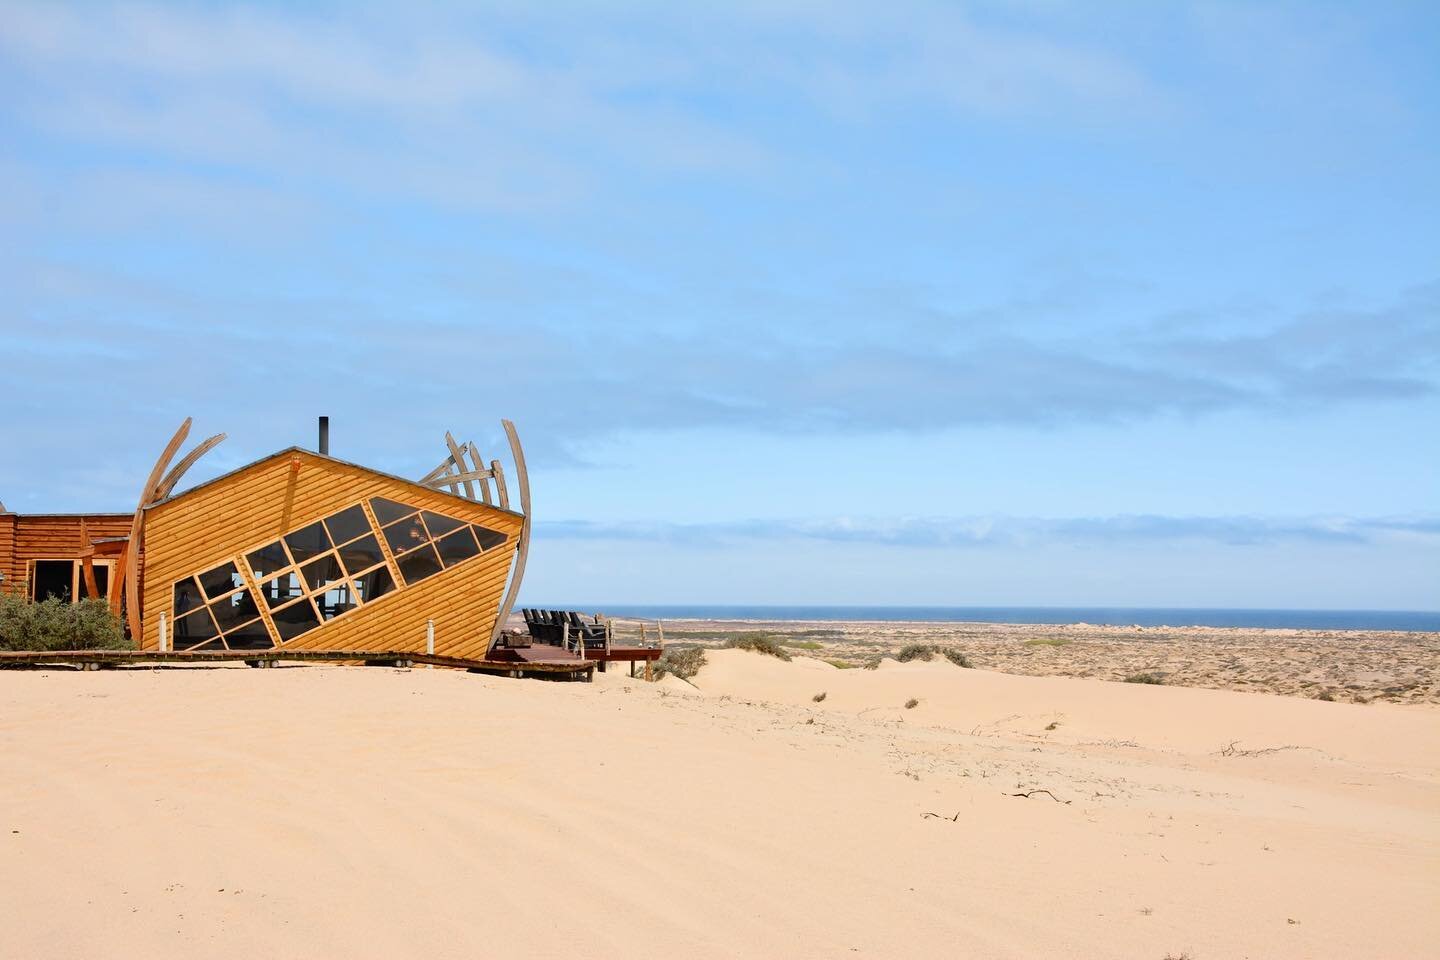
984, 303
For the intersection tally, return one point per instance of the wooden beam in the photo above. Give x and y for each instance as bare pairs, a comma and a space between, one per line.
499, 473
480, 466
167, 486
459, 458
127, 569
443, 468
87, 561
450, 479
522, 549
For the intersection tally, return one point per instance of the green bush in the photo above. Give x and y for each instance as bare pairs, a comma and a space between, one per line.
956, 657
760, 643
53, 624
683, 662
927, 651
1153, 678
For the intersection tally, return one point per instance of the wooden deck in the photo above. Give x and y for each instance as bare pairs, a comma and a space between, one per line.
555, 668
552, 653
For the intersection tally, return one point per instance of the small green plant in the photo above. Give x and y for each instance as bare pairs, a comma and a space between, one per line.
53, 624
760, 643
683, 662
1152, 678
911, 704
916, 651
957, 657
819, 697
841, 664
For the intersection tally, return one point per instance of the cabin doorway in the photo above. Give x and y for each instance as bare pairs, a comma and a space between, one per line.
65, 579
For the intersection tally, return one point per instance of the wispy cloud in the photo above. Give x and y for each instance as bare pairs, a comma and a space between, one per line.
983, 532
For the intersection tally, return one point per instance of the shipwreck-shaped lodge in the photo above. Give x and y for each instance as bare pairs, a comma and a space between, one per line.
301, 552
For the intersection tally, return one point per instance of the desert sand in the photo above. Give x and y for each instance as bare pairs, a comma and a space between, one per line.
372, 812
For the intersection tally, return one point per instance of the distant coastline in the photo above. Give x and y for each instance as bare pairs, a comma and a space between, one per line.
1407, 620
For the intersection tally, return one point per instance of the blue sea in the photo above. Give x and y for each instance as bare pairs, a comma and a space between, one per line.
1424, 620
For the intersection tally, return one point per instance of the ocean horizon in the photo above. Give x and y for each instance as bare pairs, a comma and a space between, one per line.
1406, 620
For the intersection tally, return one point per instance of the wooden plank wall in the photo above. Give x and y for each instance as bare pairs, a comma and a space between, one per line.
227, 517
26, 537
7, 552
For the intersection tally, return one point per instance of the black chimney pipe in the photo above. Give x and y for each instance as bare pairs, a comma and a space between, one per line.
325, 436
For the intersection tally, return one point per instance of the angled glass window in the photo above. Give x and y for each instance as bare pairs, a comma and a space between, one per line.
439, 524
292, 621
221, 580
249, 636
347, 525
489, 539
419, 564
373, 585
268, 559
335, 601
234, 610
458, 546
361, 555
321, 572
308, 542
195, 628
187, 597
406, 535
388, 511
280, 590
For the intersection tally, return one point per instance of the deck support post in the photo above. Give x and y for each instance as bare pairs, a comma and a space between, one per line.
649, 674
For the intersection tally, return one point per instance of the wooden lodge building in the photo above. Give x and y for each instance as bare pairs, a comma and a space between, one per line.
297, 551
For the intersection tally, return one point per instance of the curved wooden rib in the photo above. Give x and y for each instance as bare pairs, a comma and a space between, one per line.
523, 548
480, 466
127, 566
167, 486
459, 458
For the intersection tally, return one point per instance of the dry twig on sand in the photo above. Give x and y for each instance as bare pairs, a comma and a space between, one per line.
1030, 793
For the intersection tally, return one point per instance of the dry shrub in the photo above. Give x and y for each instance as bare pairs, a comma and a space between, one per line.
760, 643
683, 662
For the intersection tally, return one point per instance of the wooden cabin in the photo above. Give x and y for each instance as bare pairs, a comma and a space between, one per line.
42, 555
298, 551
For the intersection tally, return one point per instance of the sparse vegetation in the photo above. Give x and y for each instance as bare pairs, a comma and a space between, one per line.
1047, 642
803, 644
683, 662
911, 704
956, 657
760, 643
53, 624
1151, 678
841, 664
873, 663
1327, 696
819, 697
926, 652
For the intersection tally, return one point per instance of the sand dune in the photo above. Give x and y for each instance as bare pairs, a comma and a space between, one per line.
310, 812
